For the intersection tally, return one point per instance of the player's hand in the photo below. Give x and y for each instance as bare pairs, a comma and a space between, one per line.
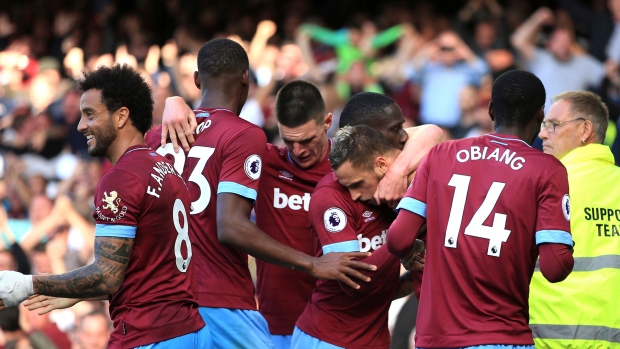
178, 123
417, 258
14, 288
45, 304
391, 189
341, 266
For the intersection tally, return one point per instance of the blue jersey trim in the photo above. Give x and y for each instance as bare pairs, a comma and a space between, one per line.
115, 230
236, 188
412, 205
554, 237
345, 246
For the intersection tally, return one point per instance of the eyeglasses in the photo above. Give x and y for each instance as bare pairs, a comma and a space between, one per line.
550, 126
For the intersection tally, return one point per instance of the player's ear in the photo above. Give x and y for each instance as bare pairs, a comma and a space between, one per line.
245, 78
121, 117
328, 121
381, 165
491, 113
196, 79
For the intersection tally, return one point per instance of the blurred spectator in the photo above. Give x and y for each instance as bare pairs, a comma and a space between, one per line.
93, 331
561, 66
442, 69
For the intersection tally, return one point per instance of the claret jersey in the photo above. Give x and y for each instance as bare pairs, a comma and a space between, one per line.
488, 202
282, 213
337, 313
226, 158
143, 198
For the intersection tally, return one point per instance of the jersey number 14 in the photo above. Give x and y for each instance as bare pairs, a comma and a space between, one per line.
496, 234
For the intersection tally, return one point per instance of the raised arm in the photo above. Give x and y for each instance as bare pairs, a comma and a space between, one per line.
523, 38
394, 185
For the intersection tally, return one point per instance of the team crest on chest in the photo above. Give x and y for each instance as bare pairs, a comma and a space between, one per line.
252, 166
335, 219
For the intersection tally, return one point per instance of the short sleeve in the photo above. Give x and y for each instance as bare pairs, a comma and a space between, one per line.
242, 163
118, 204
553, 215
415, 198
332, 219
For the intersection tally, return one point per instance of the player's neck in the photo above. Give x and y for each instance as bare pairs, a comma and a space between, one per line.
218, 98
121, 144
515, 132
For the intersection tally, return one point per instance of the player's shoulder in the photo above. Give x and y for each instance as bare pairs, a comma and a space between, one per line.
329, 181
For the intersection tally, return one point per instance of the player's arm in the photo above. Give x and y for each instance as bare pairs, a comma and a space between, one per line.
103, 277
556, 261
396, 180
403, 232
553, 237
178, 123
235, 229
45, 304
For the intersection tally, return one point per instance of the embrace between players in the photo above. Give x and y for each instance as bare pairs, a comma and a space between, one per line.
170, 261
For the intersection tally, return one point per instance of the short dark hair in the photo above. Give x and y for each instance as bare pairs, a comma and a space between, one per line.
298, 102
221, 56
122, 86
590, 106
366, 108
360, 145
9, 319
517, 96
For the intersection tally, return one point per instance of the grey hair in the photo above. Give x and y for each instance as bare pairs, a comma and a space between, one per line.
588, 105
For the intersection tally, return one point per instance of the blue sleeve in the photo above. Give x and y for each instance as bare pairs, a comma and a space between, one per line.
236, 188
345, 246
412, 205
554, 237
115, 230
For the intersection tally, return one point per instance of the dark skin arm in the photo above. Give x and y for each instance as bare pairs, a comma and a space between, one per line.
235, 229
102, 277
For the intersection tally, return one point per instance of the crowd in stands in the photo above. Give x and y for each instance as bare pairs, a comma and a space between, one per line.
436, 59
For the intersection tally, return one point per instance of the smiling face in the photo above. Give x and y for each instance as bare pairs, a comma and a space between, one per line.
307, 144
96, 123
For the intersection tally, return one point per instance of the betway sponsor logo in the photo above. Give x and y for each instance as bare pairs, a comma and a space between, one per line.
367, 244
294, 202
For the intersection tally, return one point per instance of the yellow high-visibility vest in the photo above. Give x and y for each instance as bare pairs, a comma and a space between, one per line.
583, 311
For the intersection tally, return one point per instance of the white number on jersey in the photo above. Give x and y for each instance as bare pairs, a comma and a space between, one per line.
202, 154
496, 234
182, 263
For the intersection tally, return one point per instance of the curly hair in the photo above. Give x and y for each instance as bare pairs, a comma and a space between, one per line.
122, 86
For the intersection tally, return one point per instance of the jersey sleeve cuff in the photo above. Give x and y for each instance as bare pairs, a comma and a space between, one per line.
554, 237
236, 188
115, 230
345, 246
412, 205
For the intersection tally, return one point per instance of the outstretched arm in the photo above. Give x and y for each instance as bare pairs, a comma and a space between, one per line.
103, 277
235, 229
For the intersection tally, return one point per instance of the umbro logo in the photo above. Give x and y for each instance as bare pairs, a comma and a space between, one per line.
286, 175
368, 216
